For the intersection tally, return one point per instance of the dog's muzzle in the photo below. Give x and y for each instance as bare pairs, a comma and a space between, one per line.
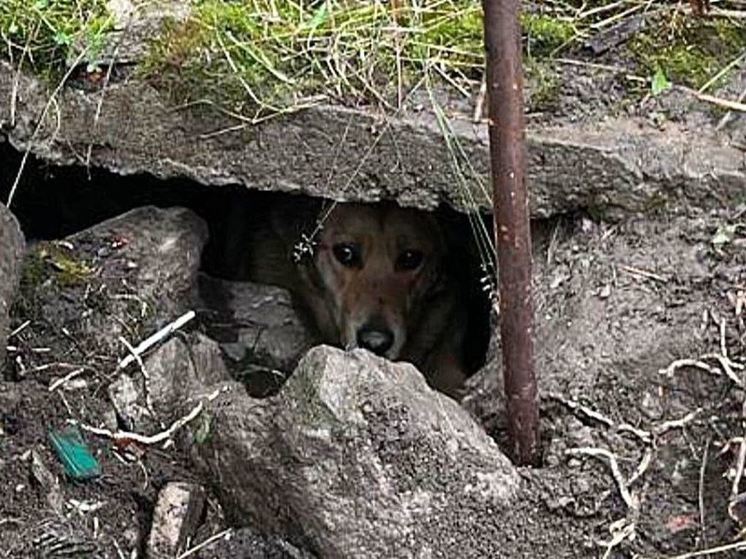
376, 339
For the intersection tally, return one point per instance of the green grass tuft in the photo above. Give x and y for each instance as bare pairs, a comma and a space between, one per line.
47, 33
546, 34
690, 52
271, 55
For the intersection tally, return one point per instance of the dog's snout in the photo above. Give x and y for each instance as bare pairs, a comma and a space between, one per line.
377, 340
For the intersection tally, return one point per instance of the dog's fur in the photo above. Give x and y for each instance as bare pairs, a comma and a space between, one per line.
377, 277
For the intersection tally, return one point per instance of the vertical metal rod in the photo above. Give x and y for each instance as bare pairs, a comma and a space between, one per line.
512, 230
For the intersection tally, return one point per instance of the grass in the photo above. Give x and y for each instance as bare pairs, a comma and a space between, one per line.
48, 32
257, 58
272, 55
689, 51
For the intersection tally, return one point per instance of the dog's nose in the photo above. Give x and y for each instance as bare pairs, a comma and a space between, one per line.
377, 340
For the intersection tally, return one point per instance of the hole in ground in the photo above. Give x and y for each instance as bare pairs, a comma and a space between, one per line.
52, 202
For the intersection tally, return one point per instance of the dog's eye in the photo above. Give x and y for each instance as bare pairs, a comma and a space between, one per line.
348, 254
409, 260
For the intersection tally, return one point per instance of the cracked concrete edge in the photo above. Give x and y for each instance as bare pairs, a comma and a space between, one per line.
613, 168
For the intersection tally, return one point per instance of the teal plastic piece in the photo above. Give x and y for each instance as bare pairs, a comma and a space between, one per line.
73, 452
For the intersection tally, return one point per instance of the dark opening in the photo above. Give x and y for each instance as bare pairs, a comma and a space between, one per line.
52, 202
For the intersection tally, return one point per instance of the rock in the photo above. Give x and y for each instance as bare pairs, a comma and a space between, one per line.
12, 246
123, 278
617, 166
126, 398
358, 457
207, 359
48, 482
156, 250
259, 330
174, 371
175, 519
133, 27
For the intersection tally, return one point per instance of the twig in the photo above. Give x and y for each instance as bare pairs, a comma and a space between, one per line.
620, 531
643, 273
727, 68
731, 14
645, 436
740, 463
723, 347
59, 382
616, 473
225, 534
51, 101
700, 490
718, 101
642, 467
676, 423
164, 332
150, 439
641, 434
576, 406
729, 115
479, 104
20, 329
728, 367
681, 363
145, 379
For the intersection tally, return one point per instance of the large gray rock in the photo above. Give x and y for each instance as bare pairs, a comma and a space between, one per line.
12, 246
617, 166
125, 277
358, 457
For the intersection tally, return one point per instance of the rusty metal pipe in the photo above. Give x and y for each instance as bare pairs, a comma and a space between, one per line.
504, 81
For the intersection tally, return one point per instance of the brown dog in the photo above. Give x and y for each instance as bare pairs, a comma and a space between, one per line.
374, 276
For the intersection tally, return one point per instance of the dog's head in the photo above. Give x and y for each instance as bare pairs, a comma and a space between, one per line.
375, 267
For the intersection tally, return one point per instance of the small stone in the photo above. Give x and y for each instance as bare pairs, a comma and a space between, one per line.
263, 328
47, 481
175, 519
125, 397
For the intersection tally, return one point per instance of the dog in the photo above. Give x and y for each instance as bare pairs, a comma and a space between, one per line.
376, 277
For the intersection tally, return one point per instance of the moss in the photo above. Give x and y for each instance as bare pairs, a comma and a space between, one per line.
224, 51
690, 51
546, 34
266, 57
454, 39
34, 271
47, 33
55, 262
544, 85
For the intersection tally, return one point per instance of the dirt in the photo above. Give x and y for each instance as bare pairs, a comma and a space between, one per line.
572, 502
